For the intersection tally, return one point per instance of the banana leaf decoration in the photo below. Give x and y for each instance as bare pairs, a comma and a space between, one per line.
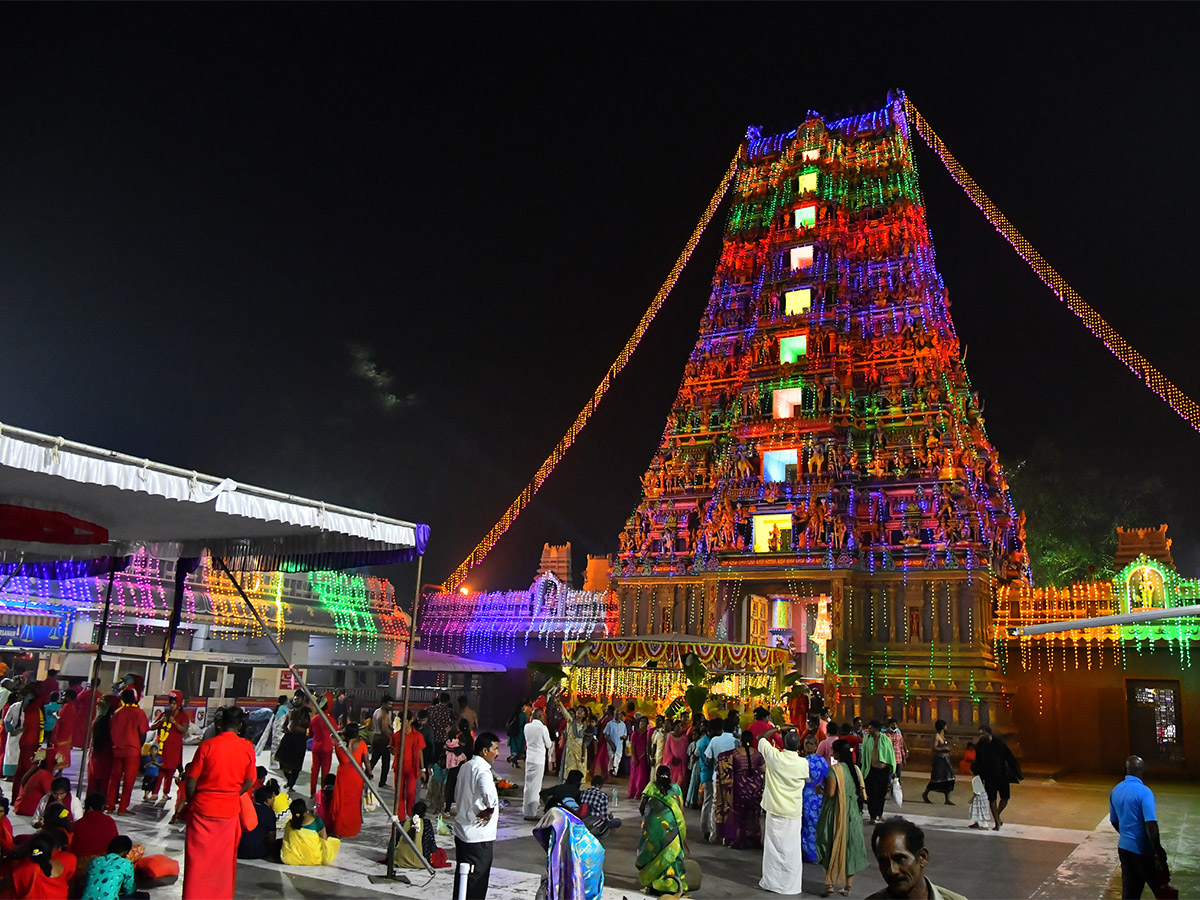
697, 692
787, 686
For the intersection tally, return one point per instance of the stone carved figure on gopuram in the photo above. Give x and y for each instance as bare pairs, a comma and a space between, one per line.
825, 429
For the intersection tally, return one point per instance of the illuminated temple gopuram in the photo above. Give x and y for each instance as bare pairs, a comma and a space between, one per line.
825, 466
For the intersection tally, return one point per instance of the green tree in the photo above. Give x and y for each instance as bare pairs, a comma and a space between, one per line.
1073, 507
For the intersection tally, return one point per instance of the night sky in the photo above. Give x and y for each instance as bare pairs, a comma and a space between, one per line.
380, 255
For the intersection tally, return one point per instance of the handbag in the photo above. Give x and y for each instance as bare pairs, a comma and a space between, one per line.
246, 812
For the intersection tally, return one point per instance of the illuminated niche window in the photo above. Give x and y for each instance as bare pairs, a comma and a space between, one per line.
763, 529
808, 182
806, 216
785, 403
793, 348
797, 301
810, 155
780, 465
801, 258
1147, 589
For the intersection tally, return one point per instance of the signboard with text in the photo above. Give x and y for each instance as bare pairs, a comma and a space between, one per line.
45, 637
288, 680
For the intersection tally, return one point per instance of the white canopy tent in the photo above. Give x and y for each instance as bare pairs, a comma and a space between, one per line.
70, 510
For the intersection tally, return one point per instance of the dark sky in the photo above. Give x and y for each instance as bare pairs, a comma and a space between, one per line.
380, 255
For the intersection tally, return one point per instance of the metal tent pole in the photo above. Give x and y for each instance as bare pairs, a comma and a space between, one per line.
408, 659
1130, 618
87, 739
220, 562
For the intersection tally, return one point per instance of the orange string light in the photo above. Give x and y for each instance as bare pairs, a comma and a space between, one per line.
518, 505
1184, 405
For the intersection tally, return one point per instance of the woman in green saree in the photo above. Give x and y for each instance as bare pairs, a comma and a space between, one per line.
840, 847
661, 851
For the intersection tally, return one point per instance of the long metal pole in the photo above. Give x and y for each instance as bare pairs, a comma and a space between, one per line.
1133, 618
320, 712
87, 739
408, 660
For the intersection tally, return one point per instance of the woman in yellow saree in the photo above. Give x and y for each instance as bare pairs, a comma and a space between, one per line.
305, 842
661, 850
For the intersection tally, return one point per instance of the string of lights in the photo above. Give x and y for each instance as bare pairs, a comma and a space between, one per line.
459, 575
1183, 405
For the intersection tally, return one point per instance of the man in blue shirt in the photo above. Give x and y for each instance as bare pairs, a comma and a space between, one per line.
1131, 812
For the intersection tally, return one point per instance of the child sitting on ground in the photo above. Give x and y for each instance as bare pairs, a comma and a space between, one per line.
323, 802
110, 877
280, 801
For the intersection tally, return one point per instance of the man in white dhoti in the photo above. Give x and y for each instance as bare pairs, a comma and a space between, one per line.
616, 733
537, 747
783, 802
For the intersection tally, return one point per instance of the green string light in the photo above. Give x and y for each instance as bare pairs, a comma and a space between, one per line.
344, 597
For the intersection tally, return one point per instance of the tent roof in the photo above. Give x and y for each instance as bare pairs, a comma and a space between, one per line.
125, 505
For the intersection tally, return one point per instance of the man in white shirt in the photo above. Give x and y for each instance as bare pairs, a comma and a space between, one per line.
537, 746
475, 817
616, 733
783, 802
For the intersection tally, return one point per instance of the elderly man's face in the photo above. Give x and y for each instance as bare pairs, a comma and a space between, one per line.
903, 871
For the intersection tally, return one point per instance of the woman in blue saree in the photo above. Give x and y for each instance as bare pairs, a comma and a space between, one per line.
814, 793
661, 850
574, 858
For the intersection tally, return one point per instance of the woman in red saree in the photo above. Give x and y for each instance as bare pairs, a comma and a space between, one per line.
33, 732
639, 760
221, 771
413, 766
345, 814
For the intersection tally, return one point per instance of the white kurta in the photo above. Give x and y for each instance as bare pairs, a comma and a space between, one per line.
783, 867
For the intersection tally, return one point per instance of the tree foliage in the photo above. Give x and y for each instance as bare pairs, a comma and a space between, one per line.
1073, 508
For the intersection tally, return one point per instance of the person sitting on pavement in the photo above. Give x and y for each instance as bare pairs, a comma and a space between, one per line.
554, 796
899, 847
596, 802
110, 877
94, 830
35, 785
60, 792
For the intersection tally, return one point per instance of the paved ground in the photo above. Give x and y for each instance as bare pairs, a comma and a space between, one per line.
1056, 843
